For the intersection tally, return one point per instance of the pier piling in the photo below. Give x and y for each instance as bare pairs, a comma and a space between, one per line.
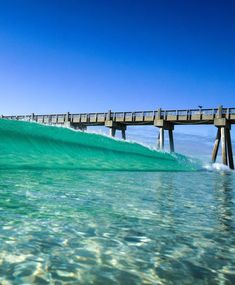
164, 125
158, 141
224, 146
112, 132
171, 141
230, 149
114, 126
161, 139
123, 134
216, 145
223, 135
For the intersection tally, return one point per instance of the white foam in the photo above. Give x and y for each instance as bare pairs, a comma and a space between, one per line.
217, 167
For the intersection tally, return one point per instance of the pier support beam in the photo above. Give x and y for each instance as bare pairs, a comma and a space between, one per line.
216, 146
229, 149
164, 125
158, 141
171, 141
161, 139
114, 126
123, 134
223, 135
224, 146
112, 132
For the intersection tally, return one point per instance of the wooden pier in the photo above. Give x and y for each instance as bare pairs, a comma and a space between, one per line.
165, 120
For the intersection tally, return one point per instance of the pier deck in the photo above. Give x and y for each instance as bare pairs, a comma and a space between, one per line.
177, 117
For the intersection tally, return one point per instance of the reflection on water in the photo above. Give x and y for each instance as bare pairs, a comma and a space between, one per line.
225, 204
79, 227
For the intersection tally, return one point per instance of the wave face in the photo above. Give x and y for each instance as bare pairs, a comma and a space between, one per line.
32, 146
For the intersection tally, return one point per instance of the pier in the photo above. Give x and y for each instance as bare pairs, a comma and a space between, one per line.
164, 120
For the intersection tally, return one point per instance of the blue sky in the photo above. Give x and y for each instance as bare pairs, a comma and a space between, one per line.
89, 55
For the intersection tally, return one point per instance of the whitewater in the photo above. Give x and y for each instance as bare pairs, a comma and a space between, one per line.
82, 208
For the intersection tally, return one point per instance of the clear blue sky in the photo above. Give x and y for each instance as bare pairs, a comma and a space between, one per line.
78, 56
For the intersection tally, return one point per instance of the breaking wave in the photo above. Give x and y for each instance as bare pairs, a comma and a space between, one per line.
29, 145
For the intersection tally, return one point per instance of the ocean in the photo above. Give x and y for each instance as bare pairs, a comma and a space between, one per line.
80, 208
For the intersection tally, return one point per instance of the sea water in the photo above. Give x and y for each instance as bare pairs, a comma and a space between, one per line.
81, 208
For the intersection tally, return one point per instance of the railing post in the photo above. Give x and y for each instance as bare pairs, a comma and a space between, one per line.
213, 115
165, 117
124, 116
200, 113
159, 113
109, 115
219, 112
32, 117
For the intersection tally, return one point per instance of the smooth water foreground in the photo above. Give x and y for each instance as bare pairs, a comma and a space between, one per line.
67, 225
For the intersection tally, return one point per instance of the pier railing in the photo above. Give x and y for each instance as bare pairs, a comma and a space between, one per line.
131, 118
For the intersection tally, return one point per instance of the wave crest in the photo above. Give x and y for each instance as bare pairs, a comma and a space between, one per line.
30, 145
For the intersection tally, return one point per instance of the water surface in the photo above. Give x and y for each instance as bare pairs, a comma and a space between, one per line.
74, 226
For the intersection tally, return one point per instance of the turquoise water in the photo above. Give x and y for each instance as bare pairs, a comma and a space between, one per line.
70, 216
33, 146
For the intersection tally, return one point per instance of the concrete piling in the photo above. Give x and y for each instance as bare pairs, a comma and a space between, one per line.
114, 126
123, 134
223, 135
171, 141
161, 138
216, 145
158, 141
229, 149
224, 146
164, 125
112, 132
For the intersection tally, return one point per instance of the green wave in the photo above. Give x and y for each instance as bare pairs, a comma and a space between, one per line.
33, 146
